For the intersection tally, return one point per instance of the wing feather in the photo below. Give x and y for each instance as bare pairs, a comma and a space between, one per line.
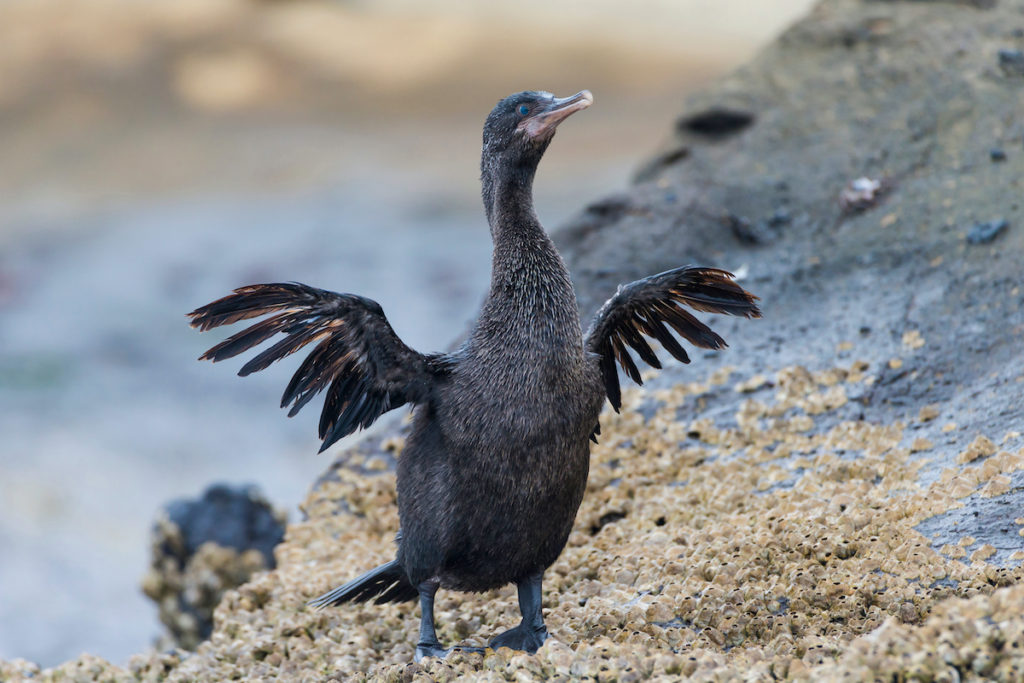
357, 358
651, 306
657, 330
631, 334
624, 359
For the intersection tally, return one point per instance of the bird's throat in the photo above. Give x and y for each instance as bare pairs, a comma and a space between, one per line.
508, 199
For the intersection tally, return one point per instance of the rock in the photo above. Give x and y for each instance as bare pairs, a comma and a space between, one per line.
231, 517
983, 233
204, 547
716, 123
1012, 62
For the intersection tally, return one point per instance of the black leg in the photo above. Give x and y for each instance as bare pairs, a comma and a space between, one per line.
428, 645
531, 633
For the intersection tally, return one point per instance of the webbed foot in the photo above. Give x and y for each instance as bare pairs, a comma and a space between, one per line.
521, 637
424, 650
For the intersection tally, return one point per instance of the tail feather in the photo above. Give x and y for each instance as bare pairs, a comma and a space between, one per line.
386, 583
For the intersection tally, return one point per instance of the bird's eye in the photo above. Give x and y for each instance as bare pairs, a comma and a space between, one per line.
523, 109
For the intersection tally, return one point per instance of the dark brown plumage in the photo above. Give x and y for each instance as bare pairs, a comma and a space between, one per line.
496, 463
359, 359
644, 307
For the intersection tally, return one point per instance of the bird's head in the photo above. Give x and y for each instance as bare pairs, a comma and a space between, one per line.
516, 133
520, 126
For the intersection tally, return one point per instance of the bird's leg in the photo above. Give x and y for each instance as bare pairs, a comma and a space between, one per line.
428, 645
531, 632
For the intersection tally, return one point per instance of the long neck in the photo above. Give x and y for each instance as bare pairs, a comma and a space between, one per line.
508, 199
530, 313
527, 273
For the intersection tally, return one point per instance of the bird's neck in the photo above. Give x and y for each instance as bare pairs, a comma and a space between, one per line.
527, 273
530, 312
508, 200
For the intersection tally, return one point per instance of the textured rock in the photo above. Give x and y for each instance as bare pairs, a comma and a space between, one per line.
201, 548
837, 496
847, 197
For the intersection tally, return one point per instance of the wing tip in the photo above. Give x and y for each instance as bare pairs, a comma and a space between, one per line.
197, 320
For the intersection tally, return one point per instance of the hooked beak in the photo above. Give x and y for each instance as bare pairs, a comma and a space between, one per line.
544, 122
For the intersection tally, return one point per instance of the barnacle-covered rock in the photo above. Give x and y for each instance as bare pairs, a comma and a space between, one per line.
201, 548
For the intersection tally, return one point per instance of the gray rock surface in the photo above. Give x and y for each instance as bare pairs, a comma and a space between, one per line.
912, 95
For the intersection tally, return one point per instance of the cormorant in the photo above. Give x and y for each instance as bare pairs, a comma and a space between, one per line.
495, 465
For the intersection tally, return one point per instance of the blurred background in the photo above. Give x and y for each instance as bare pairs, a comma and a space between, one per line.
157, 154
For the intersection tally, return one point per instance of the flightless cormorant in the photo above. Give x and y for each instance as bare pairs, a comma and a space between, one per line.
495, 465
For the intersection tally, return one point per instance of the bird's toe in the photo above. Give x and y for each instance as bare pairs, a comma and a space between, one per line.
424, 650
521, 638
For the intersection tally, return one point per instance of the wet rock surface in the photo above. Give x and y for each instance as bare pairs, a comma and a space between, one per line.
839, 495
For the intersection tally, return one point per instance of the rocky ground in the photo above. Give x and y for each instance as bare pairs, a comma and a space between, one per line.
838, 495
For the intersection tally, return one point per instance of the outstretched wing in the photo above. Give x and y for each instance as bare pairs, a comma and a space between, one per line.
646, 306
365, 368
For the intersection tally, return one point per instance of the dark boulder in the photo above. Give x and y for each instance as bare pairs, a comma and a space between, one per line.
202, 548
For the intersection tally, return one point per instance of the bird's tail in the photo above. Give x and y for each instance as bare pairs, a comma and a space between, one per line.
386, 583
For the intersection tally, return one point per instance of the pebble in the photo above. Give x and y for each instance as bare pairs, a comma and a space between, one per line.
861, 194
913, 339
983, 233
1012, 62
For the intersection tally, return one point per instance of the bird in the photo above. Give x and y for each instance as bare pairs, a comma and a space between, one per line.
497, 456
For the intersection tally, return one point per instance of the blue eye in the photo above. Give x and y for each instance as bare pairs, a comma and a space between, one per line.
523, 109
